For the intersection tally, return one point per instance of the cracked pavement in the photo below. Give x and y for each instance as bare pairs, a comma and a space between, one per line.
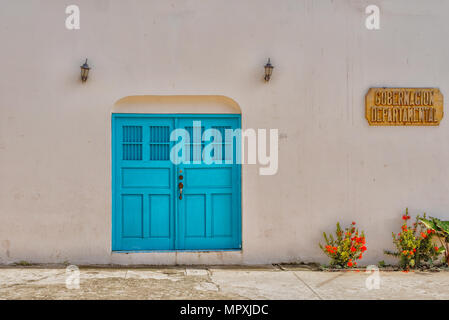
217, 282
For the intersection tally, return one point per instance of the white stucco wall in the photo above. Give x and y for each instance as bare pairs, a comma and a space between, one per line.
55, 157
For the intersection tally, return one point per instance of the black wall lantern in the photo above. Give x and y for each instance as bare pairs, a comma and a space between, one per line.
84, 71
268, 71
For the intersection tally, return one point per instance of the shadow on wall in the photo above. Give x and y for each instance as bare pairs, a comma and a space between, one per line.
176, 104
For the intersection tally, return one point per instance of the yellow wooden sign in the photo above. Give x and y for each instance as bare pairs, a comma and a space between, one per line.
404, 106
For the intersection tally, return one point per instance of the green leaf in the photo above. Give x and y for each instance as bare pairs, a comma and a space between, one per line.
430, 224
325, 237
443, 225
391, 253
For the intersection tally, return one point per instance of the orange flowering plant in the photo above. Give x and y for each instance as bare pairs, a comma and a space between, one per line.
346, 248
414, 244
441, 230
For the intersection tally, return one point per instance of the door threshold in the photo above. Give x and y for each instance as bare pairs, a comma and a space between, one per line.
173, 251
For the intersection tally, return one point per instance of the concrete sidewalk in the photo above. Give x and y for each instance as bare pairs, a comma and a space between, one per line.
267, 282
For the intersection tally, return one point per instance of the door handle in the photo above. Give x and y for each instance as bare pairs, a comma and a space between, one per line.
180, 186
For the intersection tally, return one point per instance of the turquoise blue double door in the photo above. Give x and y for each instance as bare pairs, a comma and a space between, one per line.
161, 204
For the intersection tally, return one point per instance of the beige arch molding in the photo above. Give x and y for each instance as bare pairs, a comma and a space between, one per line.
176, 104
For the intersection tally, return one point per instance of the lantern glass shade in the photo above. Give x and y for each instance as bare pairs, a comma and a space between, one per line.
84, 71
268, 70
